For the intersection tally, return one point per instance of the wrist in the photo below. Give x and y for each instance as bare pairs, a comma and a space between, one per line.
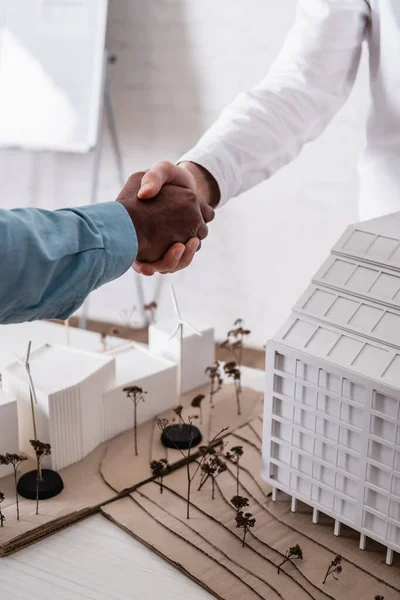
207, 187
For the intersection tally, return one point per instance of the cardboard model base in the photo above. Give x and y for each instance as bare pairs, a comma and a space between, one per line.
207, 547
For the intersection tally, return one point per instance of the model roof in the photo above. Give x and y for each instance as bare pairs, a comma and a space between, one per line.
350, 314
55, 368
15, 338
5, 397
134, 361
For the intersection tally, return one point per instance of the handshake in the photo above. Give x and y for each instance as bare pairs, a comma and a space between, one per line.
169, 218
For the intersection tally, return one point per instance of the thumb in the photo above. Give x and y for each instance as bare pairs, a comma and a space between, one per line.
150, 185
164, 172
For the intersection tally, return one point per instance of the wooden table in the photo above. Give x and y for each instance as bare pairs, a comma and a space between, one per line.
96, 560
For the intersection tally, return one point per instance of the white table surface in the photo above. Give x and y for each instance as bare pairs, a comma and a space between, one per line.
96, 560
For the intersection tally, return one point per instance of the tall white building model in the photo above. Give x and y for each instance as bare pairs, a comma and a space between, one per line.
332, 421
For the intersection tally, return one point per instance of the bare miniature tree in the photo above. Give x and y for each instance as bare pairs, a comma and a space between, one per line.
137, 395
334, 568
196, 403
234, 455
41, 450
234, 373
2, 517
213, 466
159, 469
14, 460
379, 597
239, 502
151, 308
294, 553
215, 375
163, 424
244, 521
112, 331
234, 342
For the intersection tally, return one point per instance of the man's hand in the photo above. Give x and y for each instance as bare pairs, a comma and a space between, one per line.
173, 217
189, 176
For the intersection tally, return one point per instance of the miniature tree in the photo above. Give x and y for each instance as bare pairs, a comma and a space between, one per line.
137, 394
159, 468
163, 424
379, 597
239, 502
233, 372
234, 455
41, 450
113, 331
14, 460
234, 342
196, 403
334, 568
244, 521
294, 553
2, 517
213, 466
151, 308
214, 373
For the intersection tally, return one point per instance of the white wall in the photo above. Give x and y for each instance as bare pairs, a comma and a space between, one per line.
179, 63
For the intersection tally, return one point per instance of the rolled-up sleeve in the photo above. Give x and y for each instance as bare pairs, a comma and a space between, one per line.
50, 261
265, 128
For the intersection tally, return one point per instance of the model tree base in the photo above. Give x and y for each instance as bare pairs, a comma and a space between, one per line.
50, 486
182, 436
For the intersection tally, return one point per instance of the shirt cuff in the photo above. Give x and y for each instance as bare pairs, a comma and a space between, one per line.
118, 234
218, 163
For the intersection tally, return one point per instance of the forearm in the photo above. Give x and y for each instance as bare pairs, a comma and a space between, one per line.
267, 127
52, 260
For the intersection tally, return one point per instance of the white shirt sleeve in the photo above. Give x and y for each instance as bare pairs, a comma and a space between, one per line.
265, 128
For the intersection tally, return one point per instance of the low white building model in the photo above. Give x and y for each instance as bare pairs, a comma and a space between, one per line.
135, 365
69, 414
198, 352
8, 428
332, 421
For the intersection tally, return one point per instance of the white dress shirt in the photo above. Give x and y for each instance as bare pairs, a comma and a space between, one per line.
265, 128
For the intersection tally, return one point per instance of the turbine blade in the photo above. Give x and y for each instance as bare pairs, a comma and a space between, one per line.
28, 352
175, 331
175, 302
193, 328
19, 359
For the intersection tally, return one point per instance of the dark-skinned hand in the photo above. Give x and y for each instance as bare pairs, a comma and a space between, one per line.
174, 216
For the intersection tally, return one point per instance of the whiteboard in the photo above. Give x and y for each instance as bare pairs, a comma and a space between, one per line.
51, 73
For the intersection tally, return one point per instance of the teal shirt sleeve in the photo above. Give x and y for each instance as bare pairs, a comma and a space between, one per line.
51, 260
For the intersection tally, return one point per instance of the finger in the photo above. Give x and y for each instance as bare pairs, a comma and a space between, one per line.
207, 212
164, 172
143, 268
168, 262
192, 247
202, 231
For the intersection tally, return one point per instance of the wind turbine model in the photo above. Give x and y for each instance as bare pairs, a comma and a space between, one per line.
182, 435
179, 329
50, 483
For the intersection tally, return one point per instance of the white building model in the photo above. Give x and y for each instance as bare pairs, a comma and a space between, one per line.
69, 387
332, 427
135, 365
81, 402
8, 428
197, 352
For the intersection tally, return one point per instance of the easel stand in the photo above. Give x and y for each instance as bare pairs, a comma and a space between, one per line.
106, 108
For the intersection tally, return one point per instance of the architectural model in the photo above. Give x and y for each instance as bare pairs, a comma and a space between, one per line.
8, 427
331, 426
200, 347
81, 402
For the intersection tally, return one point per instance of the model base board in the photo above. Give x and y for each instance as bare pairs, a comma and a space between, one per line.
111, 470
208, 546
